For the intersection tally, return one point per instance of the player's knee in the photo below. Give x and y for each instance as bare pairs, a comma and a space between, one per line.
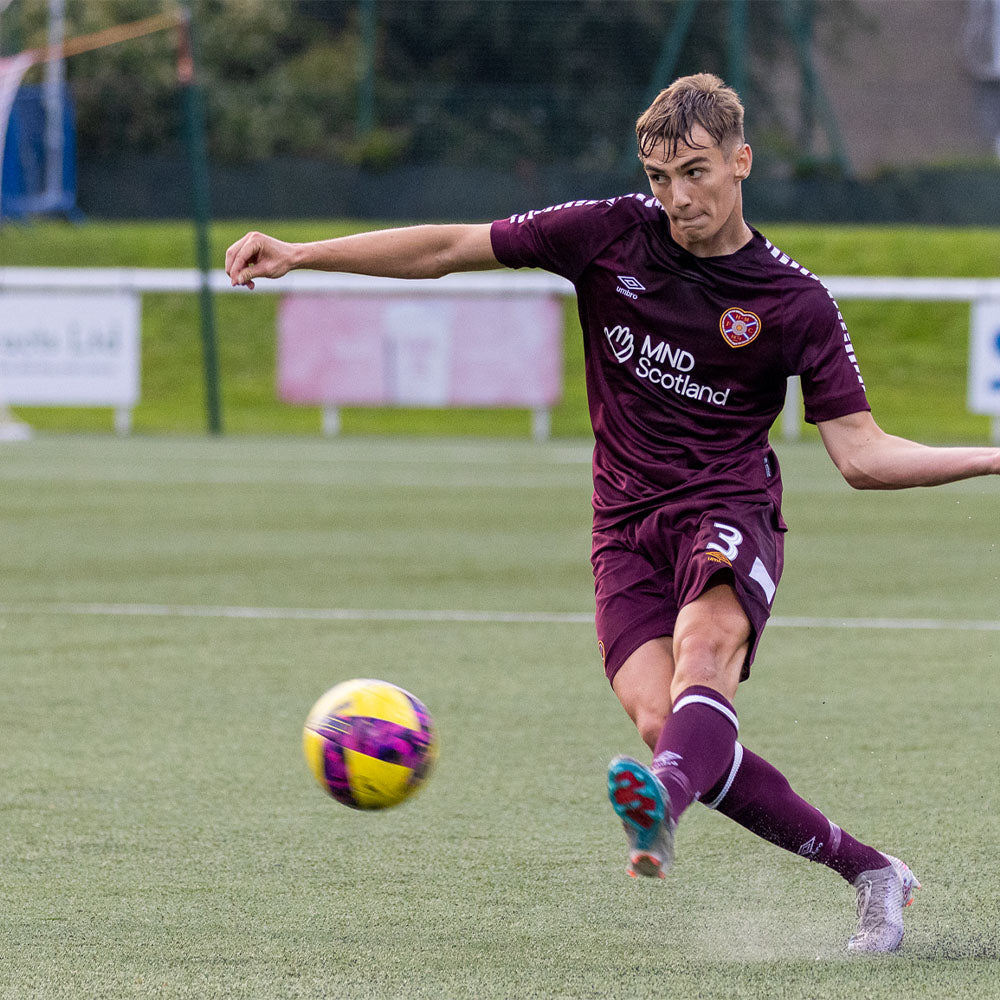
712, 659
701, 652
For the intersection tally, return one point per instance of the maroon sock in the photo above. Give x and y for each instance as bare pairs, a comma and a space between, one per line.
758, 796
695, 748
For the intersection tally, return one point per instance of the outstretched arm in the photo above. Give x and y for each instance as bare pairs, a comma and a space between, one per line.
870, 459
412, 252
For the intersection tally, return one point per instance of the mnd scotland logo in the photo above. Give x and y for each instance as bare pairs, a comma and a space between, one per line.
663, 365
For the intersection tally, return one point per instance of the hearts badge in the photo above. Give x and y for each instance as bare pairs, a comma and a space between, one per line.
739, 328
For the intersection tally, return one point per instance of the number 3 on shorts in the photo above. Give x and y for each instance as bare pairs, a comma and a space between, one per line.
730, 537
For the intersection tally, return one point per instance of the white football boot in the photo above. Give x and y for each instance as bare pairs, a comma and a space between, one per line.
882, 895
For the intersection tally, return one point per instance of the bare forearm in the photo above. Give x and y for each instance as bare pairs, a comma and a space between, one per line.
413, 252
906, 464
870, 459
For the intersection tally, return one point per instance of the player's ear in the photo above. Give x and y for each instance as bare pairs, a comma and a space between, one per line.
743, 162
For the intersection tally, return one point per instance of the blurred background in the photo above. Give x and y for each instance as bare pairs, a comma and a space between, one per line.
858, 110
150, 134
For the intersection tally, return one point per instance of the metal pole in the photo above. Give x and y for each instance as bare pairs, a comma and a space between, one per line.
670, 52
800, 23
737, 44
366, 84
194, 126
663, 71
55, 82
4, 4
807, 73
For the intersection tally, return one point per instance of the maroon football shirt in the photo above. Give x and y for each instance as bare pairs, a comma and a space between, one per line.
686, 357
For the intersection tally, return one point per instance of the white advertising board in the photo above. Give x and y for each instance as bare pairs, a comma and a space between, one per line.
984, 358
62, 348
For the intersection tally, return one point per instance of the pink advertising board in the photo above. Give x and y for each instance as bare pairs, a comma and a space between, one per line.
476, 349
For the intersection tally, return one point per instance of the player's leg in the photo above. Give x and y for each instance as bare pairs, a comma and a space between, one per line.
759, 797
749, 790
695, 746
693, 738
689, 735
643, 627
725, 568
642, 685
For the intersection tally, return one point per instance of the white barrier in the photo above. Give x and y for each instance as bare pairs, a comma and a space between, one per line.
151, 279
980, 291
536, 321
189, 280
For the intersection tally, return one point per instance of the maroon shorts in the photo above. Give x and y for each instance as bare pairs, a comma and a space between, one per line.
646, 570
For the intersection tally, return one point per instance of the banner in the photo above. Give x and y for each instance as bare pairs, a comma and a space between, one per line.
12, 70
69, 349
476, 350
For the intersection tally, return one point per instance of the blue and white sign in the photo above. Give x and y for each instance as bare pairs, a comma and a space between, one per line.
984, 358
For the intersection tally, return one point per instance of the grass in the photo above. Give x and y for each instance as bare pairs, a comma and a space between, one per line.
914, 355
165, 624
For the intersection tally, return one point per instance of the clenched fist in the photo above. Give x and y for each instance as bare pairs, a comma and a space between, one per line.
258, 256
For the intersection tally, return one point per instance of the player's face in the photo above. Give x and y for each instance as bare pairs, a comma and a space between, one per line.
699, 189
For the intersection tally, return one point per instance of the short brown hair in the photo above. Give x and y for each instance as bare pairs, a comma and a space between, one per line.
702, 99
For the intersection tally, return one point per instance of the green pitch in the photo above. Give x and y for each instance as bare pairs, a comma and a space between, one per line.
169, 610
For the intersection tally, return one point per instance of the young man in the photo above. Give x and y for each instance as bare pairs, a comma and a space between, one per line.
692, 324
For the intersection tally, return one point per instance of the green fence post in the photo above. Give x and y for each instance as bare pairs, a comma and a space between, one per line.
737, 47
366, 83
663, 71
194, 128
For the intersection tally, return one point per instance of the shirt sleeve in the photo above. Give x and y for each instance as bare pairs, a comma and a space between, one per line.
562, 239
824, 357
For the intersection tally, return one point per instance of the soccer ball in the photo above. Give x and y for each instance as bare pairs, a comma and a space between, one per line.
369, 743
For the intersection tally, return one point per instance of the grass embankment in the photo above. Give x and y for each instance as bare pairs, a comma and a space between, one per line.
913, 355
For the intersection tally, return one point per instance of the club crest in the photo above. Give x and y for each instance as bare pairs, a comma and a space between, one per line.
738, 327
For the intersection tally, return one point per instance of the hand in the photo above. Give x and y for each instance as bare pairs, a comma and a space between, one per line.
258, 256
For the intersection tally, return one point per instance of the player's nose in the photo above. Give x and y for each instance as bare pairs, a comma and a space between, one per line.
680, 196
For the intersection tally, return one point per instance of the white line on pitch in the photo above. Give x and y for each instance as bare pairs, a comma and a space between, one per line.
928, 624
299, 614
440, 615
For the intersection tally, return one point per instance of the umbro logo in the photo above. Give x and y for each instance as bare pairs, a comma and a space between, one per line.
666, 758
809, 848
628, 286
633, 284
